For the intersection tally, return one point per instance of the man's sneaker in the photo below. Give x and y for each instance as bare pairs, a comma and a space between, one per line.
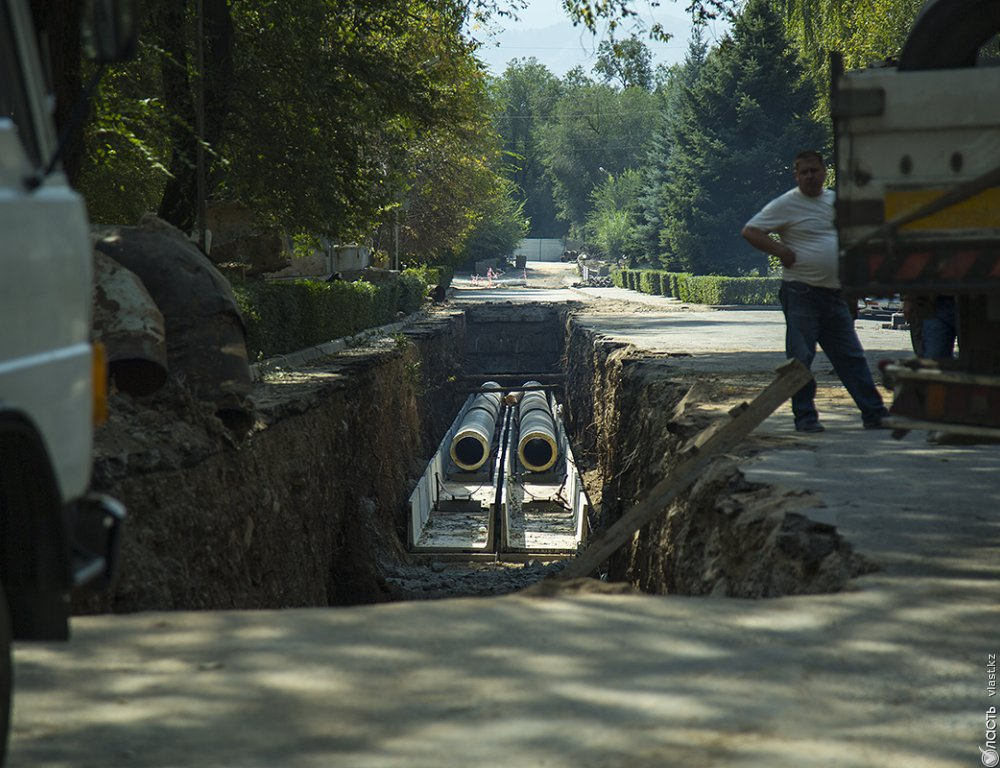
813, 426
877, 424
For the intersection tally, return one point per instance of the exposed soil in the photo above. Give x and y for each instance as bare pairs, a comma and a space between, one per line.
725, 536
303, 509
309, 507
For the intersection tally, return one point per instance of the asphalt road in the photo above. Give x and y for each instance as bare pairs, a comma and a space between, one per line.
893, 672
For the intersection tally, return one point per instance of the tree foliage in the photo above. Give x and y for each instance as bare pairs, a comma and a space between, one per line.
653, 201
340, 107
615, 212
346, 118
325, 117
865, 31
736, 132
525, 98
625, 63
595, 130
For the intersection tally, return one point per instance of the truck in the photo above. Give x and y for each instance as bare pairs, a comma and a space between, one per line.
917, 158
56, 536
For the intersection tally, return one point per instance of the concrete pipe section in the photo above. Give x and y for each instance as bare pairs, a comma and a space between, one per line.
470, 447
131, 327
537, 447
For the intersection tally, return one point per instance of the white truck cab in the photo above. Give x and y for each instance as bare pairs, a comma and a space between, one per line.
54, 536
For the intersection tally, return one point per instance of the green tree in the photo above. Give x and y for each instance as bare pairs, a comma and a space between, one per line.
501, 227
331, 100
625, 63
865, 31
615, 212
526, 95
320, 115
595, 130
125, 166
675, 83
737, 131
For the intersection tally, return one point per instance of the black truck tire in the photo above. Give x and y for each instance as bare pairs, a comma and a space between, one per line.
949, 33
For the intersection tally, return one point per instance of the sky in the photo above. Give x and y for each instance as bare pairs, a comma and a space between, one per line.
544, 31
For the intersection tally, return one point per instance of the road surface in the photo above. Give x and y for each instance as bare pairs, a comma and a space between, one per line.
893, 672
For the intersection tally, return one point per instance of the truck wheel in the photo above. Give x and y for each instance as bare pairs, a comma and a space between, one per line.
6, 675
949, 33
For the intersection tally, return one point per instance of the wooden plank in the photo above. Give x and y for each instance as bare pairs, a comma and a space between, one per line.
717, 440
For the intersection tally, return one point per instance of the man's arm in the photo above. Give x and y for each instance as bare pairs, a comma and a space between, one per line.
762, 241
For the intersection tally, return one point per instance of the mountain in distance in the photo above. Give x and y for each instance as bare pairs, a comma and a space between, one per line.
562, 46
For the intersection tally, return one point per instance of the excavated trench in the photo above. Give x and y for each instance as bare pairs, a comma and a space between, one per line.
309, 508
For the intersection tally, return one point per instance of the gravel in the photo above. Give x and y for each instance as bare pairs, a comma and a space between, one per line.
441, 579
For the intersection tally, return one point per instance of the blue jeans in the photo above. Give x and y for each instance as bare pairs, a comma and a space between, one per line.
819, 315
938, 338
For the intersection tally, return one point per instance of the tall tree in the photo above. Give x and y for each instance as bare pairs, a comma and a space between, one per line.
738, 130
625, 63
596, 130
205, 66
526, 96
329, 98
865, 31
678, 80
612, 221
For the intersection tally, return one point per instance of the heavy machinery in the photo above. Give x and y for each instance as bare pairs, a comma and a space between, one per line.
55, 536
917, 154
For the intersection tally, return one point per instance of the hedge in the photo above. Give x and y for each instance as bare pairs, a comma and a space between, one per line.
699, 289
286, 316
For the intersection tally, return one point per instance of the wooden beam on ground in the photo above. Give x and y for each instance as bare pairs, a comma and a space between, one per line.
718, 438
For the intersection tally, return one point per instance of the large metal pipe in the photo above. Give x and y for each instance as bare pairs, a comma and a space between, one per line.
536, 446
470, 447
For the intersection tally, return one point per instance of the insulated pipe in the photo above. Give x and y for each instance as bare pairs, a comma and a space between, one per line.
536, 448
470, 447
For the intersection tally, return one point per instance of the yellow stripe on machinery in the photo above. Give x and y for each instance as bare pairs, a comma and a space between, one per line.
979, 212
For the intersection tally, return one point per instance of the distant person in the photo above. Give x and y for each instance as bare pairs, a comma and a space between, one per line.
814, 310
934, 325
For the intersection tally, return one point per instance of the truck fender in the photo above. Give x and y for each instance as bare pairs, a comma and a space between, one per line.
34, 544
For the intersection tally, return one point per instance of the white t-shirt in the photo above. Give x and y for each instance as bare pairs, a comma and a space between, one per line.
805, 224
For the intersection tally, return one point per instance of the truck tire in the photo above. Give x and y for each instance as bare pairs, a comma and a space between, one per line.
949, 33
6, 675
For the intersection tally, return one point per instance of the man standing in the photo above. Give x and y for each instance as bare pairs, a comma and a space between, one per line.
810, 296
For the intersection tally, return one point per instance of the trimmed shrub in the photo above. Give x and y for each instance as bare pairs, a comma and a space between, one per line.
283, 317
650, 281
702, 289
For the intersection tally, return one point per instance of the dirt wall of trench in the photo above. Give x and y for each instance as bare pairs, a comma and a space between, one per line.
303, 510
310, 506
630, 413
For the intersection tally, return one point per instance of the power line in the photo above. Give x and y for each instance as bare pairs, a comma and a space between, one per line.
573, 48
580, 115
